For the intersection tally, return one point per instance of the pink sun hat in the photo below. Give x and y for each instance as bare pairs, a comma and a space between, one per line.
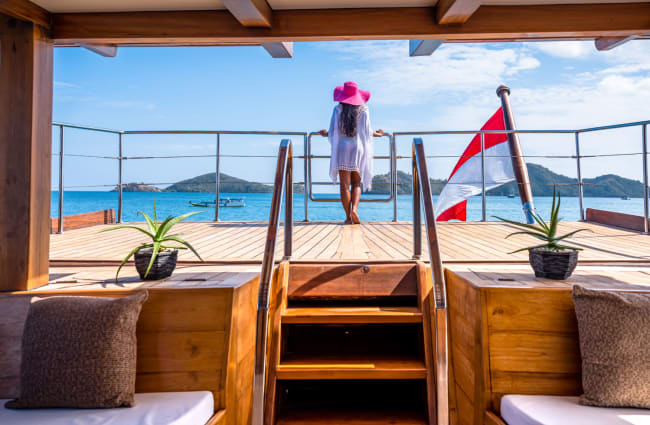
351, 94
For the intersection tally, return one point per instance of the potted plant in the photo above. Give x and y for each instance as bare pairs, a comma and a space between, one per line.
156, 259
551, 259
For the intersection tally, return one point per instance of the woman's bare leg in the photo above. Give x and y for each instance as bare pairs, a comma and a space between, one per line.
344, 182
355, 197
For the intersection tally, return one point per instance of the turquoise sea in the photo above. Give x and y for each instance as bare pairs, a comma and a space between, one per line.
258, 204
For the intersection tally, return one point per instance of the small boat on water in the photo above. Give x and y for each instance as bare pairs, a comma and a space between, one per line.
224, 202
625, 198
511, 195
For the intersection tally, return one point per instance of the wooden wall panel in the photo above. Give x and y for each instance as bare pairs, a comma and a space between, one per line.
465, 344
25, 153
79, 221
238, 397
611, 218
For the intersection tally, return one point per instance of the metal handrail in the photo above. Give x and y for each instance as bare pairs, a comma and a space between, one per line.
422, 192
392, 172
307, 159
283, 183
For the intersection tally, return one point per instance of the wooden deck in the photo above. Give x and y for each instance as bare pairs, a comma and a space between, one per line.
236, 242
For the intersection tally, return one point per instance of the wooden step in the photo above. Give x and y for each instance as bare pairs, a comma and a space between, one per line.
297, 366
350, 417
352, 315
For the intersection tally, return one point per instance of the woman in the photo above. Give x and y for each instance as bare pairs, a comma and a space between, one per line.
350, 137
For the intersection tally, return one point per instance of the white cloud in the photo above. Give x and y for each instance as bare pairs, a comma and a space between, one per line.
396, 79
565, 49
61, 84
457, 83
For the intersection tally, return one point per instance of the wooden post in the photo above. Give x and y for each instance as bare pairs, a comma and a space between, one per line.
517, 156
25, 153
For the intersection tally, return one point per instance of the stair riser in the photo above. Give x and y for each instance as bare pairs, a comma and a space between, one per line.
351, 281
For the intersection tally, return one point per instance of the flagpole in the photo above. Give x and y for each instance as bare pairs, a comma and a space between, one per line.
517, 156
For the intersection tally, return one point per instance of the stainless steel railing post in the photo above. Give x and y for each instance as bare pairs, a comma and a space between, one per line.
120, 173
288, 205
417, 219
393, 154
579, 175
644, 135
483, 194
61, 146
306, 186
217, 188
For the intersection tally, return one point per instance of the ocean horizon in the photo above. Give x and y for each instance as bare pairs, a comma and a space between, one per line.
258, 205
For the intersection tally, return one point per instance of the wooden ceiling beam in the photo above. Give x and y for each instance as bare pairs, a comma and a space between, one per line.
25, 10
250, 13
281, 50
455, 11
576, 21
608, 43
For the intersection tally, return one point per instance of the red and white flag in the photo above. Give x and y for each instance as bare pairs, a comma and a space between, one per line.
466, 181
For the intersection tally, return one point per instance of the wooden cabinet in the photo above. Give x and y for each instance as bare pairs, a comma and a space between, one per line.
511, 333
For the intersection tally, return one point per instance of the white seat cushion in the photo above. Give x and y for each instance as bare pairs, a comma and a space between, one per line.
182, 408
556, 410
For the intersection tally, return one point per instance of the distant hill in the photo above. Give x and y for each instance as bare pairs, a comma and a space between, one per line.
542, 180
404, 184
206, 183
137, 187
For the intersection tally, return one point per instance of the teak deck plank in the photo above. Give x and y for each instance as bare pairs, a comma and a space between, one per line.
330, 241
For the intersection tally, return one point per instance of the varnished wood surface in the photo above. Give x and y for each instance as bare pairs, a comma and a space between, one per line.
333, 315
333, 241
27, 11
512, 333
79, 221
25, 152
487, 23
368, 366
611, 218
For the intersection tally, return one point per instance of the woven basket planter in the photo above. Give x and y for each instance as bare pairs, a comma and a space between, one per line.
553, 265
162, 267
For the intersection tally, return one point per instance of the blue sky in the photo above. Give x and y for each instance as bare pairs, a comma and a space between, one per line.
554, 85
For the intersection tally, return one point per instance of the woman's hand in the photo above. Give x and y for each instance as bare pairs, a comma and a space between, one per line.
378, 133
323, 133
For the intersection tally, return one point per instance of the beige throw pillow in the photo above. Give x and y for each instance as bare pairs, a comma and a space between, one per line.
79, 352
614, 332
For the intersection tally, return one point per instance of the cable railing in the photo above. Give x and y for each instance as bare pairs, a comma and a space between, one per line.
422, 194
308, 184
283, 184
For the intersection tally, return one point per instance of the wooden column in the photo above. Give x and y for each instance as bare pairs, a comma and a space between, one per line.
25, 153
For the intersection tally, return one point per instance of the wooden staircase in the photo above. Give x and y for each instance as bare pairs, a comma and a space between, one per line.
350, 343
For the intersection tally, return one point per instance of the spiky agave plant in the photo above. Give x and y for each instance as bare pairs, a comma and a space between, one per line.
159, 237
546, 232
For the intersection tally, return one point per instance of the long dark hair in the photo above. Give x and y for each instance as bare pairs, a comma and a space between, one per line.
348, 119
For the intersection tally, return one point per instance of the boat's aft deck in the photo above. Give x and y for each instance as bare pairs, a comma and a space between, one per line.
328, 241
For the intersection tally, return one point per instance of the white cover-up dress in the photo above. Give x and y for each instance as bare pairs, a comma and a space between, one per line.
352, 153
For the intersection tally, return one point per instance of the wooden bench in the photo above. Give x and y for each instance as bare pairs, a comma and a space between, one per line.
192, 335
511, 333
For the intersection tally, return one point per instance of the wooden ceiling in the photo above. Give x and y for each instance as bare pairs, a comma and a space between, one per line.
215, 22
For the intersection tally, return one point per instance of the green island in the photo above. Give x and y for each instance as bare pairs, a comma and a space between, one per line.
541, 178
